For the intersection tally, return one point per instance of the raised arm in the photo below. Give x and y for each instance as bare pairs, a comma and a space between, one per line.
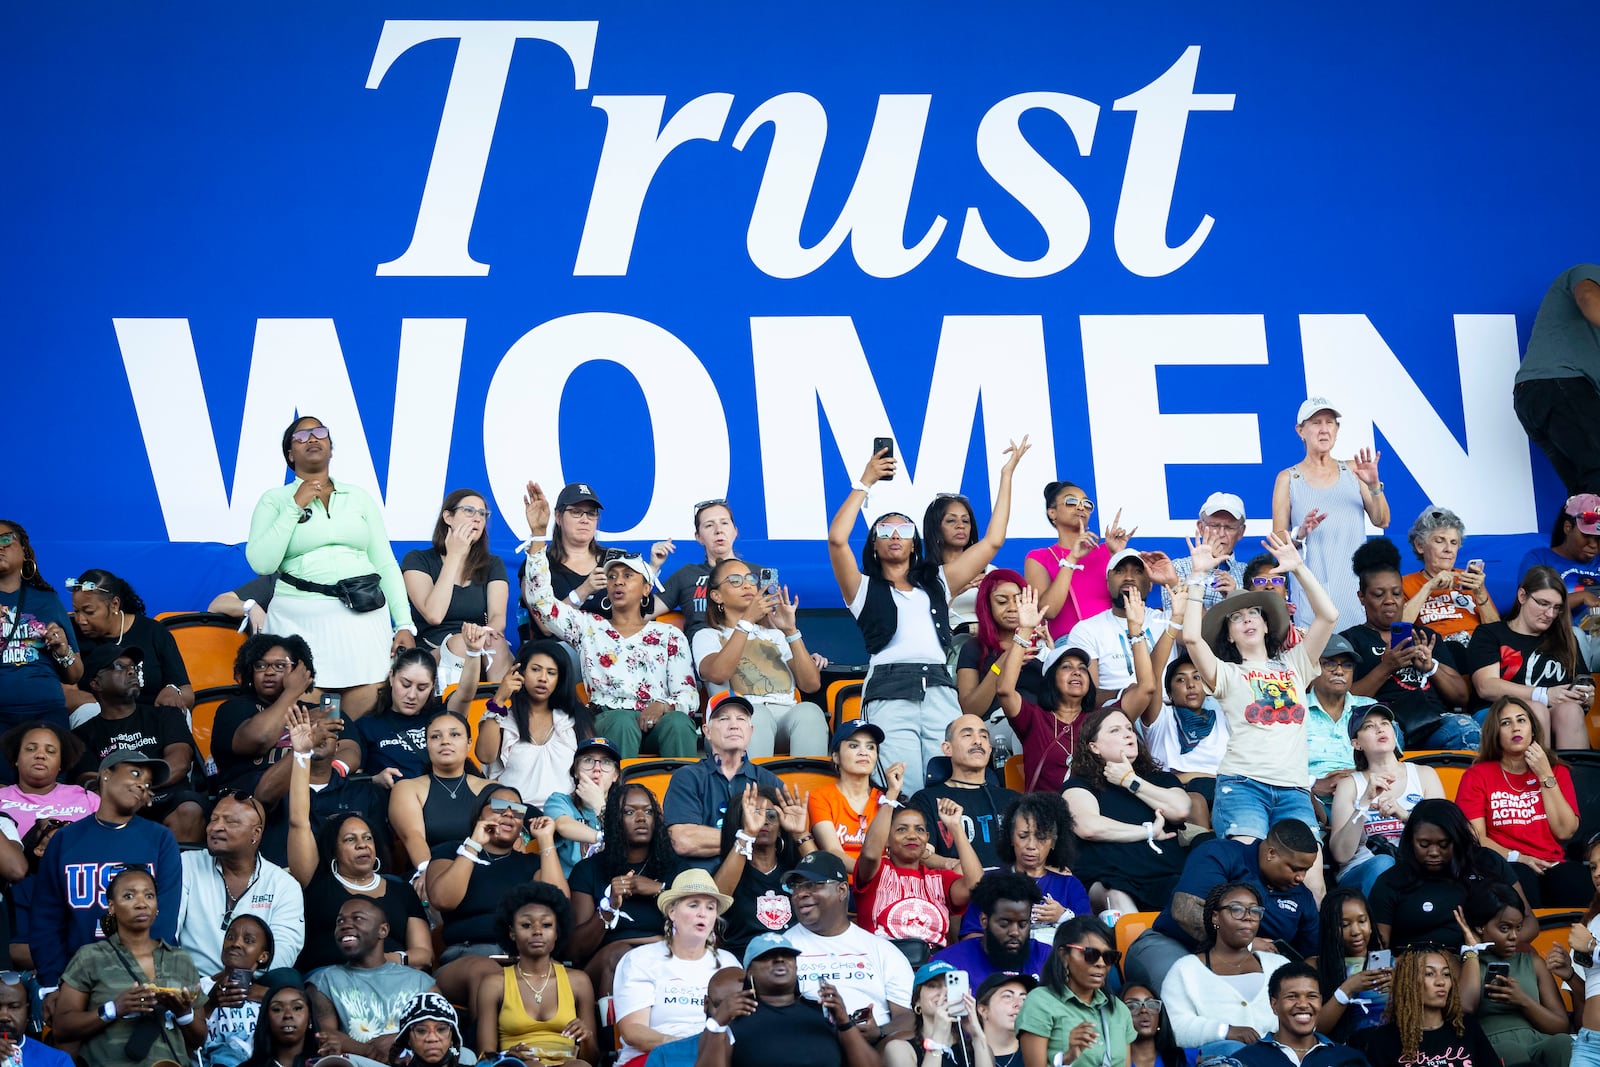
475, 637
845, 571
1373, 500
556, 619
1282, 547
1141, 695
302, 839
971, 866
1018, 651
970, 564
882, 820
1053, 591
1202, 561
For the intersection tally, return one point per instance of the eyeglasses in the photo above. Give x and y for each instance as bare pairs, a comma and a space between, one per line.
6, 541
737, 580
477, 513
515, 807
1077, 502
1220, 527
1547, 605
1336, 666
1243, 911
120, 668
902, 530
1245, 613
272, 666
597, 761
793, 888
583, 513
302, 436
1145, 1004
1092, 955
1268, 581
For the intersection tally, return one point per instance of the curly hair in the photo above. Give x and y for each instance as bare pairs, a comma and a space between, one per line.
1004, 885
1433, 518
1213, 904
109, 587
1089, 766
1377, 556
1405, 998
258, 645
70, 747
523, 895
659, 862
733, 822
1051, 820
35, 580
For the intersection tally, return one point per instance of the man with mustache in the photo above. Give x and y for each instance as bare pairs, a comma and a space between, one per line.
966, 743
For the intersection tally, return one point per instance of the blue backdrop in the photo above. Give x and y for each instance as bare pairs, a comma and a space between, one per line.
715, 250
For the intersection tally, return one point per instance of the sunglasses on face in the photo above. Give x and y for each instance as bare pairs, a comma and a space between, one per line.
1077, 502
1092, 955
477, 513
903, 530
737, 580
500, 804
794, 888
302, 436
1268, 581
1244, 911
7, 540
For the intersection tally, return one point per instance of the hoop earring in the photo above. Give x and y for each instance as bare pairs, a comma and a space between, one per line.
26, 560
333, 865
916, 1009
377, 865
605, 602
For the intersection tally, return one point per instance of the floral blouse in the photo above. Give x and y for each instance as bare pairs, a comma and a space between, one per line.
622, 672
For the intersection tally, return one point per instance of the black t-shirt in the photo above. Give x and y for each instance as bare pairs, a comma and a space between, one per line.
473, 919
686, 591
341, 794
162, 662
468, 603
260, 589
1438, 1048
759, 906
325, 896
1413, 698
233, 769
640, 917
1030, 680
981, 809
1423, 910
149, 730
391, 739
1514, 654
795, 1035
1133, 866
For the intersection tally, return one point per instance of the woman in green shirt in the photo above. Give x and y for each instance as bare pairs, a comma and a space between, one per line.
315, 533
129, 999
1070, 1014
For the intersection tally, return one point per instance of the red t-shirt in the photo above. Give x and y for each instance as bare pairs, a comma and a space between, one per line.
909, 902
1512, 808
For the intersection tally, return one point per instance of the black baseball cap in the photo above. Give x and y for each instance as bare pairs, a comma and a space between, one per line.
598, 744
818, 866
987, 987
577, 493
846, 730
100, 657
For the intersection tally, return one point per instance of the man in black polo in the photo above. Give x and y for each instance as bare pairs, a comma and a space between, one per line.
701, 793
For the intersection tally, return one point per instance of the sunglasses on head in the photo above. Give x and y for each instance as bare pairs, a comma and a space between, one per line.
713, 503
1267, 581
302, 436
84, 587
515, 807
1092, 955
903, 530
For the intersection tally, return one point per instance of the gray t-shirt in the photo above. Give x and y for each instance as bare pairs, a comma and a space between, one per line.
1563, 344
369, 999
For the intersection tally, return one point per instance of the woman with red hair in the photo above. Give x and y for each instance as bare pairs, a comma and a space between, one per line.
978, 662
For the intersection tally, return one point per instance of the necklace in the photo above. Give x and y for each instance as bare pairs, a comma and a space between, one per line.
1509, 783
122, 627
453, 793
353, 887
537, 991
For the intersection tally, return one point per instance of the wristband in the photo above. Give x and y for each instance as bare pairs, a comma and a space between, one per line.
185, 1020
1340, 995
468, 854
408, 627
1513, 856
302, 759
473, 653
1541, 694
574, 599
744, 844
793, 638
714, 1027
996, 668
861, 487
1018, 639
803, 838
887, 803
1174, 627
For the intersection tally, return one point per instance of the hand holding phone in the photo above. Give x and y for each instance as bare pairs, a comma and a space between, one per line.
956, 985
881, 444
1380, 959
333, 705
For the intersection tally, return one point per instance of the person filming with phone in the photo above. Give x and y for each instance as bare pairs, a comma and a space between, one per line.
948, 1032
1450, 602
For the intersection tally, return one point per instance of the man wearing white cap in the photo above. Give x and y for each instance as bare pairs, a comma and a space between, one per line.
1107, 636
1222, 518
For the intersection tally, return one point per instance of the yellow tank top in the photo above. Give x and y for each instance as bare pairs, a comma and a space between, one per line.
518, 1027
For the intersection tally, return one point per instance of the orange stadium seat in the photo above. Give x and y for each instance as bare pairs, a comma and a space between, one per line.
204, 716
671, 618
652, 772
208, 644
1553, 926
1015, 779
804, 773
1130, 926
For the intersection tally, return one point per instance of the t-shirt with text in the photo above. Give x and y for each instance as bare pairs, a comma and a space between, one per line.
1516, 656
1450, 613
1512, 807
907, 902
1266, 717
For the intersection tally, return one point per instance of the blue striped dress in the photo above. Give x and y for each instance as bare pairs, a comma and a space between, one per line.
1330, 546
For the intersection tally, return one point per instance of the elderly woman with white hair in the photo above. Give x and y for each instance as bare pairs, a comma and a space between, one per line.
1448, 601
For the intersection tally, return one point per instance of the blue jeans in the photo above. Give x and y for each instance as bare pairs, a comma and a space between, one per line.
1586, 1052
1365, 874
1458, 731
1247, 808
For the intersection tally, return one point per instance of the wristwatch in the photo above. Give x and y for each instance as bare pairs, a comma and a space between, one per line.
1135, 785
108, 1011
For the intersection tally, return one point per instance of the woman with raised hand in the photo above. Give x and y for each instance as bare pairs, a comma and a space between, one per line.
940, 1037
38, 652
900, 602
458, 581
395, 739
106, 611
344, 859
339, 585
640, 674
978, 663
533, 725
1532, 654
539, 1010
578, 813
900, 895
439, 807
1326, 503
759, 846
751, 645
1069, 577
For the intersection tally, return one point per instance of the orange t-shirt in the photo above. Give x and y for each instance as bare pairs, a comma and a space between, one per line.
1450, 611
829, 805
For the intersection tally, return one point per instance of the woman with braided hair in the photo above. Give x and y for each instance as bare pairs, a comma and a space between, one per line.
1425, 1022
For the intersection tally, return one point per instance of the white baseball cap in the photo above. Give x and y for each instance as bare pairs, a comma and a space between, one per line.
1223, 502
1312, 405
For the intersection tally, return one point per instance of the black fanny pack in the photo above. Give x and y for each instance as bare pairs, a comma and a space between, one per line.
361, 594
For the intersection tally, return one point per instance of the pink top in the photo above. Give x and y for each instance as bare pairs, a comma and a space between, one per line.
1087, 596
68, 803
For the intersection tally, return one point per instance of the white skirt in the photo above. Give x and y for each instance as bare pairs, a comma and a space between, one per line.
347, 649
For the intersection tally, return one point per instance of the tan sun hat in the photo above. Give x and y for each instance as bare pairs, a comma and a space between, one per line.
693, 882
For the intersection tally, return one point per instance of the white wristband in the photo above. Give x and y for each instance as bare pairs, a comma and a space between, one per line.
408, 627
1513, 856
1541, 694
185, 1020
574, 599
887, 803
860, 487
1340, 995
474, 653
303, 759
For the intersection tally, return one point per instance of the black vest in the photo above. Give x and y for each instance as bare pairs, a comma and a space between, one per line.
879, 617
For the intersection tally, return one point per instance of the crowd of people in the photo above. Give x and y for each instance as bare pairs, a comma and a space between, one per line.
363, 874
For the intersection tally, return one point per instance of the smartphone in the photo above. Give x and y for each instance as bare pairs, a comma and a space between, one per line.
1399, 633
1475, 565
240, 977
1380, 959
767, 577
956, 987
333, 704
1498, 970
1287, 951
610, 554
878, 445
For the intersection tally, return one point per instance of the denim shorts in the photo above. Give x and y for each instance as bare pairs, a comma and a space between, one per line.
1247, 808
